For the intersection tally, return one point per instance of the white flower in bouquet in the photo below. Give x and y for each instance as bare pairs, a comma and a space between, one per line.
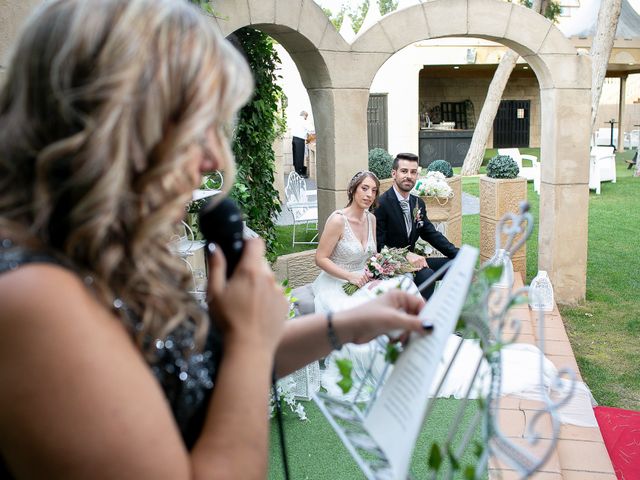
433, 184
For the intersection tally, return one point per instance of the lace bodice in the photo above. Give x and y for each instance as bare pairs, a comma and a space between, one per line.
348, 252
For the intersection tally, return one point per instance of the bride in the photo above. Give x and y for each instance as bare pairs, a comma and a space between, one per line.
347, 242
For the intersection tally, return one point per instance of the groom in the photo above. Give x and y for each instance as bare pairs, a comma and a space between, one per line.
402, 218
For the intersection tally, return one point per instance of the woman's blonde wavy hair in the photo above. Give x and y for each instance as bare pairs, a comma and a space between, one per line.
102, 101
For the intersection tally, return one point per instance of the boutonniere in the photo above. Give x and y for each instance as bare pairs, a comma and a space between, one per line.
417, 214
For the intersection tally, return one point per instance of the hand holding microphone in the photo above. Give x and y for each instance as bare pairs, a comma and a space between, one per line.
247, 303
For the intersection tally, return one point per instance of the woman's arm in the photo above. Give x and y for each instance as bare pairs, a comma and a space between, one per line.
331, 234
305, 338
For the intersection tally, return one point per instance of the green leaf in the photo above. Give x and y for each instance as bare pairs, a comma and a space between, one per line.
493, 273
455, 464
345, 367
478, 448
469, 472
435, 457
392, 353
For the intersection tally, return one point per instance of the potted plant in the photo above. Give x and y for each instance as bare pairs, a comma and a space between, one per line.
501, 191
381, 163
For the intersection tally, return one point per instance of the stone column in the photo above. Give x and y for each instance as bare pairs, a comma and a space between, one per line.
340, 117
621, 112
564, 192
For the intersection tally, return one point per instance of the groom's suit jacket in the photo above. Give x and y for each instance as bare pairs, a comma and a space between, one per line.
392, 232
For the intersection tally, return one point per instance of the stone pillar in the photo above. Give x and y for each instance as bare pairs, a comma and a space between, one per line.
621, 112
498, 197
564, 192
340, 117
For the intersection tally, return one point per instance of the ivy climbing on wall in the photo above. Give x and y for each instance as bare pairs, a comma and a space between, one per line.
259, 124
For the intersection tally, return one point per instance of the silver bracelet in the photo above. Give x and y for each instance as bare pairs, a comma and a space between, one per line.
331, 333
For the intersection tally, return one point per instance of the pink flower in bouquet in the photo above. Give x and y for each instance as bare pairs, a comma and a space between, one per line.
386, 264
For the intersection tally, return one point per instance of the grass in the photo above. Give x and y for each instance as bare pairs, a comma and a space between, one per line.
605, 330
315, 451
284, 235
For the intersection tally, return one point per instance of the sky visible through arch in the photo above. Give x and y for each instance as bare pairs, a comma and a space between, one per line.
334, 5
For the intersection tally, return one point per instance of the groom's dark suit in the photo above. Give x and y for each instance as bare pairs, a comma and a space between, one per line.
392, 232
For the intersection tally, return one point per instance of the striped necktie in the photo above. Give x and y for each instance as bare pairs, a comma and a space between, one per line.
406, 210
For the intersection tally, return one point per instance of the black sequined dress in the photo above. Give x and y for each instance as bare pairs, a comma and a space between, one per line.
187, 380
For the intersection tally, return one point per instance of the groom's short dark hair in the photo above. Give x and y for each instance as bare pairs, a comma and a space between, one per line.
404, 156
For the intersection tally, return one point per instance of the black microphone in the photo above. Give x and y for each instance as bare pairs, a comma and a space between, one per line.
221, 223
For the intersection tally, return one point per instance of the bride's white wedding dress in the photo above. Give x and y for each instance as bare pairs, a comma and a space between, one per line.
351, 255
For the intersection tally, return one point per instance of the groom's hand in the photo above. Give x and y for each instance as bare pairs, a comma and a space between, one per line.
418, 261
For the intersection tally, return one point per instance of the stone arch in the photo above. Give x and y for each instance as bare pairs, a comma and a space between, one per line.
565, 82
338, 77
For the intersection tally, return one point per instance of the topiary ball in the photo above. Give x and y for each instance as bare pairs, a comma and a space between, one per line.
441, 166
502, 166
380, 163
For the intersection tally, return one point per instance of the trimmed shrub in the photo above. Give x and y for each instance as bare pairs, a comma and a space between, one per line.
380, 163
502, 166
441, 166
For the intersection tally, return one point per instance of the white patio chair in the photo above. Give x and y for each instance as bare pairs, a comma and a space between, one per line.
531, 173
303, 205
602, 167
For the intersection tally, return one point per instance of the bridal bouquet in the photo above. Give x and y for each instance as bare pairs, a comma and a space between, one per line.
386, 264
434, 184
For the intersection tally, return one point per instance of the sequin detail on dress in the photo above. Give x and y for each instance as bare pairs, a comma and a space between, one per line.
187, 377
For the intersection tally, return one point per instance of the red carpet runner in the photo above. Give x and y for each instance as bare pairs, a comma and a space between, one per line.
621, 433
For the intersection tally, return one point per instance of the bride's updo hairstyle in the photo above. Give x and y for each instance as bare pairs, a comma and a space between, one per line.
101, 103
355, 182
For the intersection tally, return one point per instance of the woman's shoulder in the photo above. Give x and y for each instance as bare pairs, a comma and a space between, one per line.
32, 289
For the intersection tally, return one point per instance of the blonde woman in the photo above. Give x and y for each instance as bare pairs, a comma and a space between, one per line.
110, 113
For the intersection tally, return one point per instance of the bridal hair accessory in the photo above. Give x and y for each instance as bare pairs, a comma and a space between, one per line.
358, 176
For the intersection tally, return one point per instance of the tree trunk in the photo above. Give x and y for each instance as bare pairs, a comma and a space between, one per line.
601, 46
475, 154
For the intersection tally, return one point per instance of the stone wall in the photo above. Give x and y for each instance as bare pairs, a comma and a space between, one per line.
299, 268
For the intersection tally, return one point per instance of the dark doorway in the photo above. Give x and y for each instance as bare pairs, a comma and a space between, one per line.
511, 126
377, 121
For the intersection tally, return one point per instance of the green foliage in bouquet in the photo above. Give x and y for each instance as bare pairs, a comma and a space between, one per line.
441, 166
502, 166
380, 163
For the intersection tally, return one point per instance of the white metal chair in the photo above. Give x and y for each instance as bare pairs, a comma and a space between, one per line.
211, 185
530, 173
602, 167
303, 205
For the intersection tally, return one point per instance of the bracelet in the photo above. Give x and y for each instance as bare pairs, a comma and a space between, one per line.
331, 333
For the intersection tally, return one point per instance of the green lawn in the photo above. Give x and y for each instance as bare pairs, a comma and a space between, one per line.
315, 451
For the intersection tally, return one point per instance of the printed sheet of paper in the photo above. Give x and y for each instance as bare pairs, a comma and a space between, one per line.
396, 418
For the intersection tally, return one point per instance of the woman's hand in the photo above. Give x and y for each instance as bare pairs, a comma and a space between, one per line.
250, 306
393, 311
358, 278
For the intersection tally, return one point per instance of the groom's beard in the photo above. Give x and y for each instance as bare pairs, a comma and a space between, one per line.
404, 185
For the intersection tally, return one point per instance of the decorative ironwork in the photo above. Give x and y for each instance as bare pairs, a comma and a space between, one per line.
483, 319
